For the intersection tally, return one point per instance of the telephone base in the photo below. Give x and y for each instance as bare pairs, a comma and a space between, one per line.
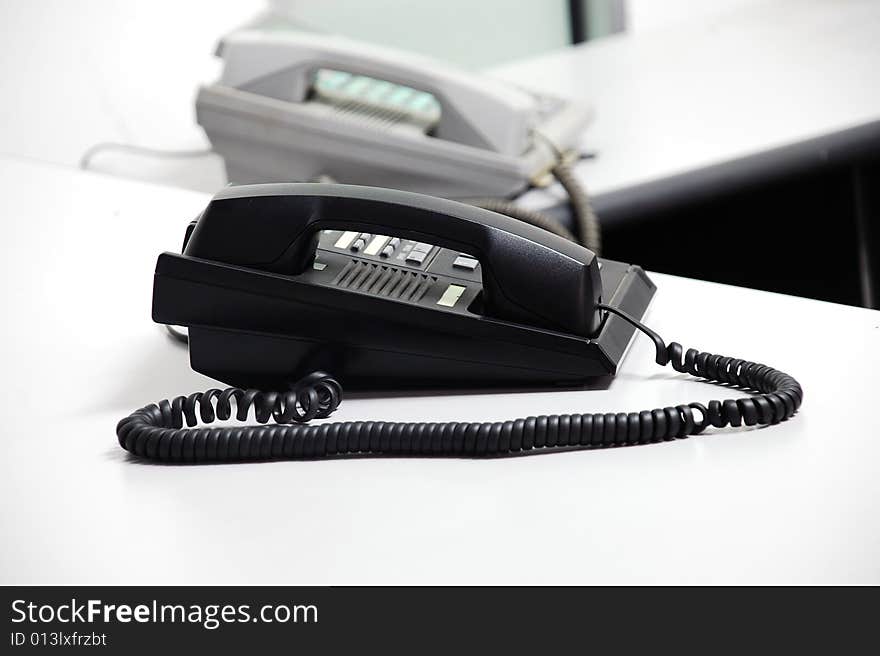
376, 352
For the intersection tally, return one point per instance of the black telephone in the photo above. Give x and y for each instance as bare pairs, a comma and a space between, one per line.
292, 291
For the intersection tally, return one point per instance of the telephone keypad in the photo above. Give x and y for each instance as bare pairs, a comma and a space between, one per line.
391, 267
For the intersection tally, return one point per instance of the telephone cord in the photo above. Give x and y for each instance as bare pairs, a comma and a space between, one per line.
588, 231
157, 432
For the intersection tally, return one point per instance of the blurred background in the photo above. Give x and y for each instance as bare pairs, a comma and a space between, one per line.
731, 140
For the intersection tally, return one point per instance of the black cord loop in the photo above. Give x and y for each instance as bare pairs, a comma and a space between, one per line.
156, 431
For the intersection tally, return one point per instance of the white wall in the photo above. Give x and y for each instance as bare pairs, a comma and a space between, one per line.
469, 33
77, 72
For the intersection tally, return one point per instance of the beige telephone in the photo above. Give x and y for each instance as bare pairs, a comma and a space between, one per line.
296, 106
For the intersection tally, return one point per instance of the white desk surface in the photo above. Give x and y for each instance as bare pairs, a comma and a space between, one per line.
717, 90
797, 502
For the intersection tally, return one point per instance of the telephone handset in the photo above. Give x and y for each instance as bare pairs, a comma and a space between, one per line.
296, 106
291, 292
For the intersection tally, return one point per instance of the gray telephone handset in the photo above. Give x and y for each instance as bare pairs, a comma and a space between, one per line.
295, 106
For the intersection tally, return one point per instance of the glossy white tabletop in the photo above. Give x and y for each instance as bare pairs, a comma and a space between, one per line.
797, 502
715, 90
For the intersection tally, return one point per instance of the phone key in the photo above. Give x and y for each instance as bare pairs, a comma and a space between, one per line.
399, 96
376, 245
451, 295
463, 262
329, 79
357, 85
379, 90
423, 103
345, 239
416, 257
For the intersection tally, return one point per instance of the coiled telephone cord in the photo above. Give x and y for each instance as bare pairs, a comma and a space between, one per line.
589, 233
156, 431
